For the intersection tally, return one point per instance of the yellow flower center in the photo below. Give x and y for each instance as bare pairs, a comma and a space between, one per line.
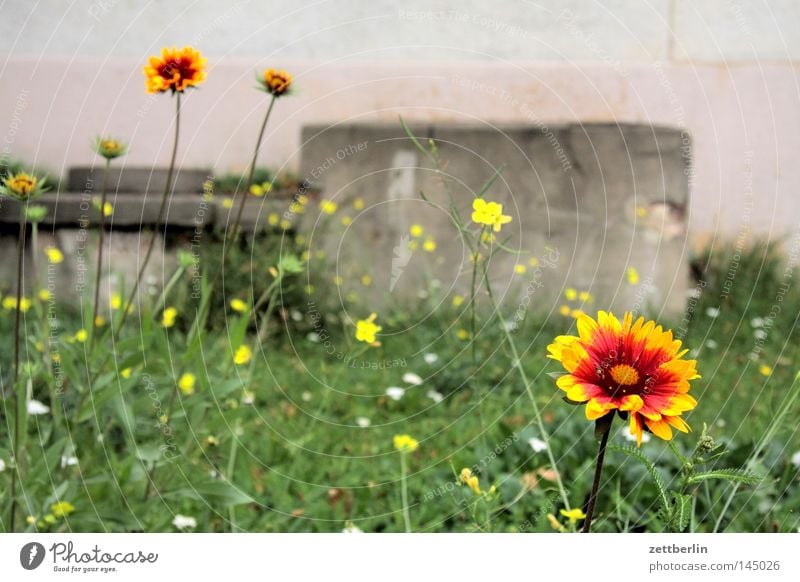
624, 375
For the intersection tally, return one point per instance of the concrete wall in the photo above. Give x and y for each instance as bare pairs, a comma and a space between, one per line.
725, 71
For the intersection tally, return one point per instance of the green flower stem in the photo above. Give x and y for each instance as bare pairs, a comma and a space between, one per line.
159, 220
100, 240
251, 172
17, 391
404, 491
115, 331
598, 471
517, 363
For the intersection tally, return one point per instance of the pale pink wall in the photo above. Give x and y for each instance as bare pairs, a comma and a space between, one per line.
743, 117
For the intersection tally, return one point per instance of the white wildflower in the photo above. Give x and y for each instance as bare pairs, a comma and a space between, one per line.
435, 396
35, 408
184, 522
430, 358
395, 392
363, 421
412, 378
538, 445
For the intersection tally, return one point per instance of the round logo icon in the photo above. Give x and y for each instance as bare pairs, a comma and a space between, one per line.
31, 555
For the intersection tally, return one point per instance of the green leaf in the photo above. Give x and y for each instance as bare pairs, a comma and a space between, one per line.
651, 468
730, 475
215, 493
681, 512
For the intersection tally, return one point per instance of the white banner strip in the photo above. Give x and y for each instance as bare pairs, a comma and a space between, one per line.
399, 557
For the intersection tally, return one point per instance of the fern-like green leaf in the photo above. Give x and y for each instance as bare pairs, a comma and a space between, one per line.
681, 512
730, 475
663, 498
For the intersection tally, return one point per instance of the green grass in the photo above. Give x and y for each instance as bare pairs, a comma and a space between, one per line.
275, 446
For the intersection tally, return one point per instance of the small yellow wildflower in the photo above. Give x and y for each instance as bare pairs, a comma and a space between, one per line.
564, 310
405, 443
256, 190
573, 515
186, 384
571, 294
346, 220
520, 269
467, 478
168, 317
54, 255
576, 313
81, 335
328, 206
641, 211
116, 301
366, 330
489, 214
416, 230
242, 355
337, 280
358, 204
99, 321
429, 245
458, 300
533, 262
366, 280
126, 372
273, 219
212, 441
285, 224
462, 334
765, 370
44, 295
227, 202
62, 508
585, 296
238, 305
30, 520
108, 209
633, 276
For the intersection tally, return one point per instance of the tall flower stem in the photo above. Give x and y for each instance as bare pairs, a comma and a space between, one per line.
404, 492
598, 471
161, 211
101, 237
17, 391
250, 173
517, 363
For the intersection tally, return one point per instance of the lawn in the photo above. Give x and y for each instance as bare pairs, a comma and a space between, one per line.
174, 433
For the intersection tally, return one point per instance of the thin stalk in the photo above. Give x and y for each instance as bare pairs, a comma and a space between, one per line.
159, 220
517, 363
598, 471
164, 198
235, 230
101, 237
404, 492
17, 404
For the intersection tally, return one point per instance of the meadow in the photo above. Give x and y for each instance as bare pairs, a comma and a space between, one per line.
258, 390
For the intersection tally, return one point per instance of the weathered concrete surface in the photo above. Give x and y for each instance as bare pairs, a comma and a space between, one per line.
71, 226
133, 179
588, 201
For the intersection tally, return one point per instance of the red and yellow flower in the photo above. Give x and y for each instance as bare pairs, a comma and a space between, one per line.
634, 368
175, 70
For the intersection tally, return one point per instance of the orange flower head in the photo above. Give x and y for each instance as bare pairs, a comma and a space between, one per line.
175, 70
636, 369
276, 83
